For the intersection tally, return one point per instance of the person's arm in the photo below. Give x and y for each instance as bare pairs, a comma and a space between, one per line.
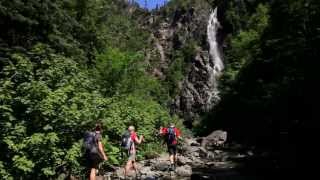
178, 133
162, 131
138, 140
100, 146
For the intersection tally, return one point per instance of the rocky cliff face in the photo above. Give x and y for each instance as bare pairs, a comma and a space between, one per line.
172, 32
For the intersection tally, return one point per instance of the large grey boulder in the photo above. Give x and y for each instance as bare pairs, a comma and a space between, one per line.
182, 160
184, 171
216, 138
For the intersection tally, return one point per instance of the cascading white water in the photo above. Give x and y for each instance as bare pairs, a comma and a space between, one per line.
216, 65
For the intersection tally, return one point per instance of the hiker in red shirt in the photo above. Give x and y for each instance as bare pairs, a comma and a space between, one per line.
172, 135
132, 150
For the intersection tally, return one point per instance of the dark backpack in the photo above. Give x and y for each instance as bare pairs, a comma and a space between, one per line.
91, 147
126, 141
89, 142
171, 135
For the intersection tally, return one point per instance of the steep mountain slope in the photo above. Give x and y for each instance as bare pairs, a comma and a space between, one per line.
184, 55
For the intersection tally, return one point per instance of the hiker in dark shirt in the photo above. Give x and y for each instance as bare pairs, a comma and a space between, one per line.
94, 151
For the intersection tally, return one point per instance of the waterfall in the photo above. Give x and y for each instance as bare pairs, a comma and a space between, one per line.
215, 66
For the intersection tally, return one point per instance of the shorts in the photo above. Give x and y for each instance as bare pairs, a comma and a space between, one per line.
172, 149
132, 157
93, 160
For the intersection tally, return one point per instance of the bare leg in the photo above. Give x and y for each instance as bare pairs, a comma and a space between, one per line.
175, 158
127, 168
134, 165
172, 160
171, 157
92, 174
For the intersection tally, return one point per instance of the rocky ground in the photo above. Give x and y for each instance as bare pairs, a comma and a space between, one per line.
195, 161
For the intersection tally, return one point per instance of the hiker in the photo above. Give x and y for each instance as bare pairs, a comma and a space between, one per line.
131, 147
172, 135
94, 152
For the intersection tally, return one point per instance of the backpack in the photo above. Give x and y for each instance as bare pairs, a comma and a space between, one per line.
89, 142
126, 141
171, 135
91, 147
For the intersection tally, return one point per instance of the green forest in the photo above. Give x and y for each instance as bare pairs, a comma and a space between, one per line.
64, 65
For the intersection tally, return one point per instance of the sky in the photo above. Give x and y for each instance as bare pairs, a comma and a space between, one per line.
151, 4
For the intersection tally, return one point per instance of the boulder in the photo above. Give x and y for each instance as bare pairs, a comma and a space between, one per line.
161, 166
182, 160
184, 171
146, 170
191, 142
216, 138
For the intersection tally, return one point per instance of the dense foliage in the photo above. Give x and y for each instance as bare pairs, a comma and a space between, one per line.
64, 66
